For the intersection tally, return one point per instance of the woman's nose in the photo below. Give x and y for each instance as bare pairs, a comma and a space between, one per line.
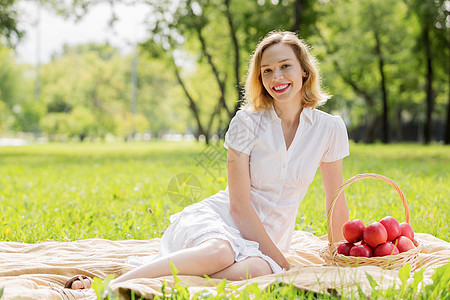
277, 74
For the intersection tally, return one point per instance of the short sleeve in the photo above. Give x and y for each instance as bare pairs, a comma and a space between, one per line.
241, 134
338, 142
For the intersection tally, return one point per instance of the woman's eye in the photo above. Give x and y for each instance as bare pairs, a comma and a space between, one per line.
285, 66
266, 71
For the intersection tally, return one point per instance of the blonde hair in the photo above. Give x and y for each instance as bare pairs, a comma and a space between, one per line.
256, 96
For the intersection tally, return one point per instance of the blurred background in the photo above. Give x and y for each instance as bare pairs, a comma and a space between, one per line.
106, 70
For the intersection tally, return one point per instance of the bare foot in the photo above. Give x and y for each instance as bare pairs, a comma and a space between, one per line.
78, 282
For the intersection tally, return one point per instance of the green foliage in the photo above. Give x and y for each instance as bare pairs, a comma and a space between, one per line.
9, 77
54, 124
441, 281
6, 118
101, 287
82, 122
403, 274
430, 19
343, 34
10, 98
93, 99
10, 32
19, 111
198, 37
179, 291
415, 288
105, 52
29, 117
159, 98
87, 98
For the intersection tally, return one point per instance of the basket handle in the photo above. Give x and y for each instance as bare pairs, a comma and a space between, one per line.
356, 178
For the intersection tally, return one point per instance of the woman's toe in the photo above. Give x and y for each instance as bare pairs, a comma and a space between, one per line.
77, 284
87, 283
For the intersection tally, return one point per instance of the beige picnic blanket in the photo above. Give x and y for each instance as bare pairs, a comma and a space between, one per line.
38, 271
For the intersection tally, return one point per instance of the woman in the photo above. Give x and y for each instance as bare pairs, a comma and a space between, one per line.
275, 145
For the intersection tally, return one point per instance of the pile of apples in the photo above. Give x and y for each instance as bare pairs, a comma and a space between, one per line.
387, 237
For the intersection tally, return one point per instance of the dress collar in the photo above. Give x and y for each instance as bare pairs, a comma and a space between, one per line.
307, 114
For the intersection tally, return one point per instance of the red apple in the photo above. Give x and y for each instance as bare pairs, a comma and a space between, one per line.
385, 249
403, 244
344, 248
363, 242
375, 234
361, 250
353, 230
392, 228
406, 230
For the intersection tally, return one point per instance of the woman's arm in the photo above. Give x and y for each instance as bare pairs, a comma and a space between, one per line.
332, 179
242, 210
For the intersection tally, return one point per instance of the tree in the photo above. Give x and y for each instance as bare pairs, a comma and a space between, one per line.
9, 77
174, 24
16, 110
371, 53
193, 20
305, 17
29, 116
377, 28
10, 34
432, 43
92, 99
192, 27
367, 49
90, 96
161, 103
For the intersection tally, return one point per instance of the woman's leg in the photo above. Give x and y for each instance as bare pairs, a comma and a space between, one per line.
247, 268
207, 258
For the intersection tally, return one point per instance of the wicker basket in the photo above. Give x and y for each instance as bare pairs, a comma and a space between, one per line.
330, 255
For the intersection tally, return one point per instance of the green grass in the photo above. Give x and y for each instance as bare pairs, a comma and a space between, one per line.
84, 191
120, 191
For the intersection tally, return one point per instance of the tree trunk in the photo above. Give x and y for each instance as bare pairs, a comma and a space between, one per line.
192, 105
220, 83
237, 63
429, 87
447, 128
372, 129
399, 131
385, 136
299, 9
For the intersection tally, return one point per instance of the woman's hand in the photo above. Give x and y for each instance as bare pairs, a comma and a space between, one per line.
284, 264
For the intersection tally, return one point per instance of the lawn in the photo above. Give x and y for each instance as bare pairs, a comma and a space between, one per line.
124, 191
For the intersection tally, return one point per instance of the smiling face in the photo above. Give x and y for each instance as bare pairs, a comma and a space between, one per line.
281, 73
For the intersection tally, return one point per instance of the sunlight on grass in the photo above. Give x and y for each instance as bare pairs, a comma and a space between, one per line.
78, 191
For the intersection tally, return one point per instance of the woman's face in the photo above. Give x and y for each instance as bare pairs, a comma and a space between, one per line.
281, 73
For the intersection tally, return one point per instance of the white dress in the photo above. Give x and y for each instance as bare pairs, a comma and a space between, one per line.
279, 181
